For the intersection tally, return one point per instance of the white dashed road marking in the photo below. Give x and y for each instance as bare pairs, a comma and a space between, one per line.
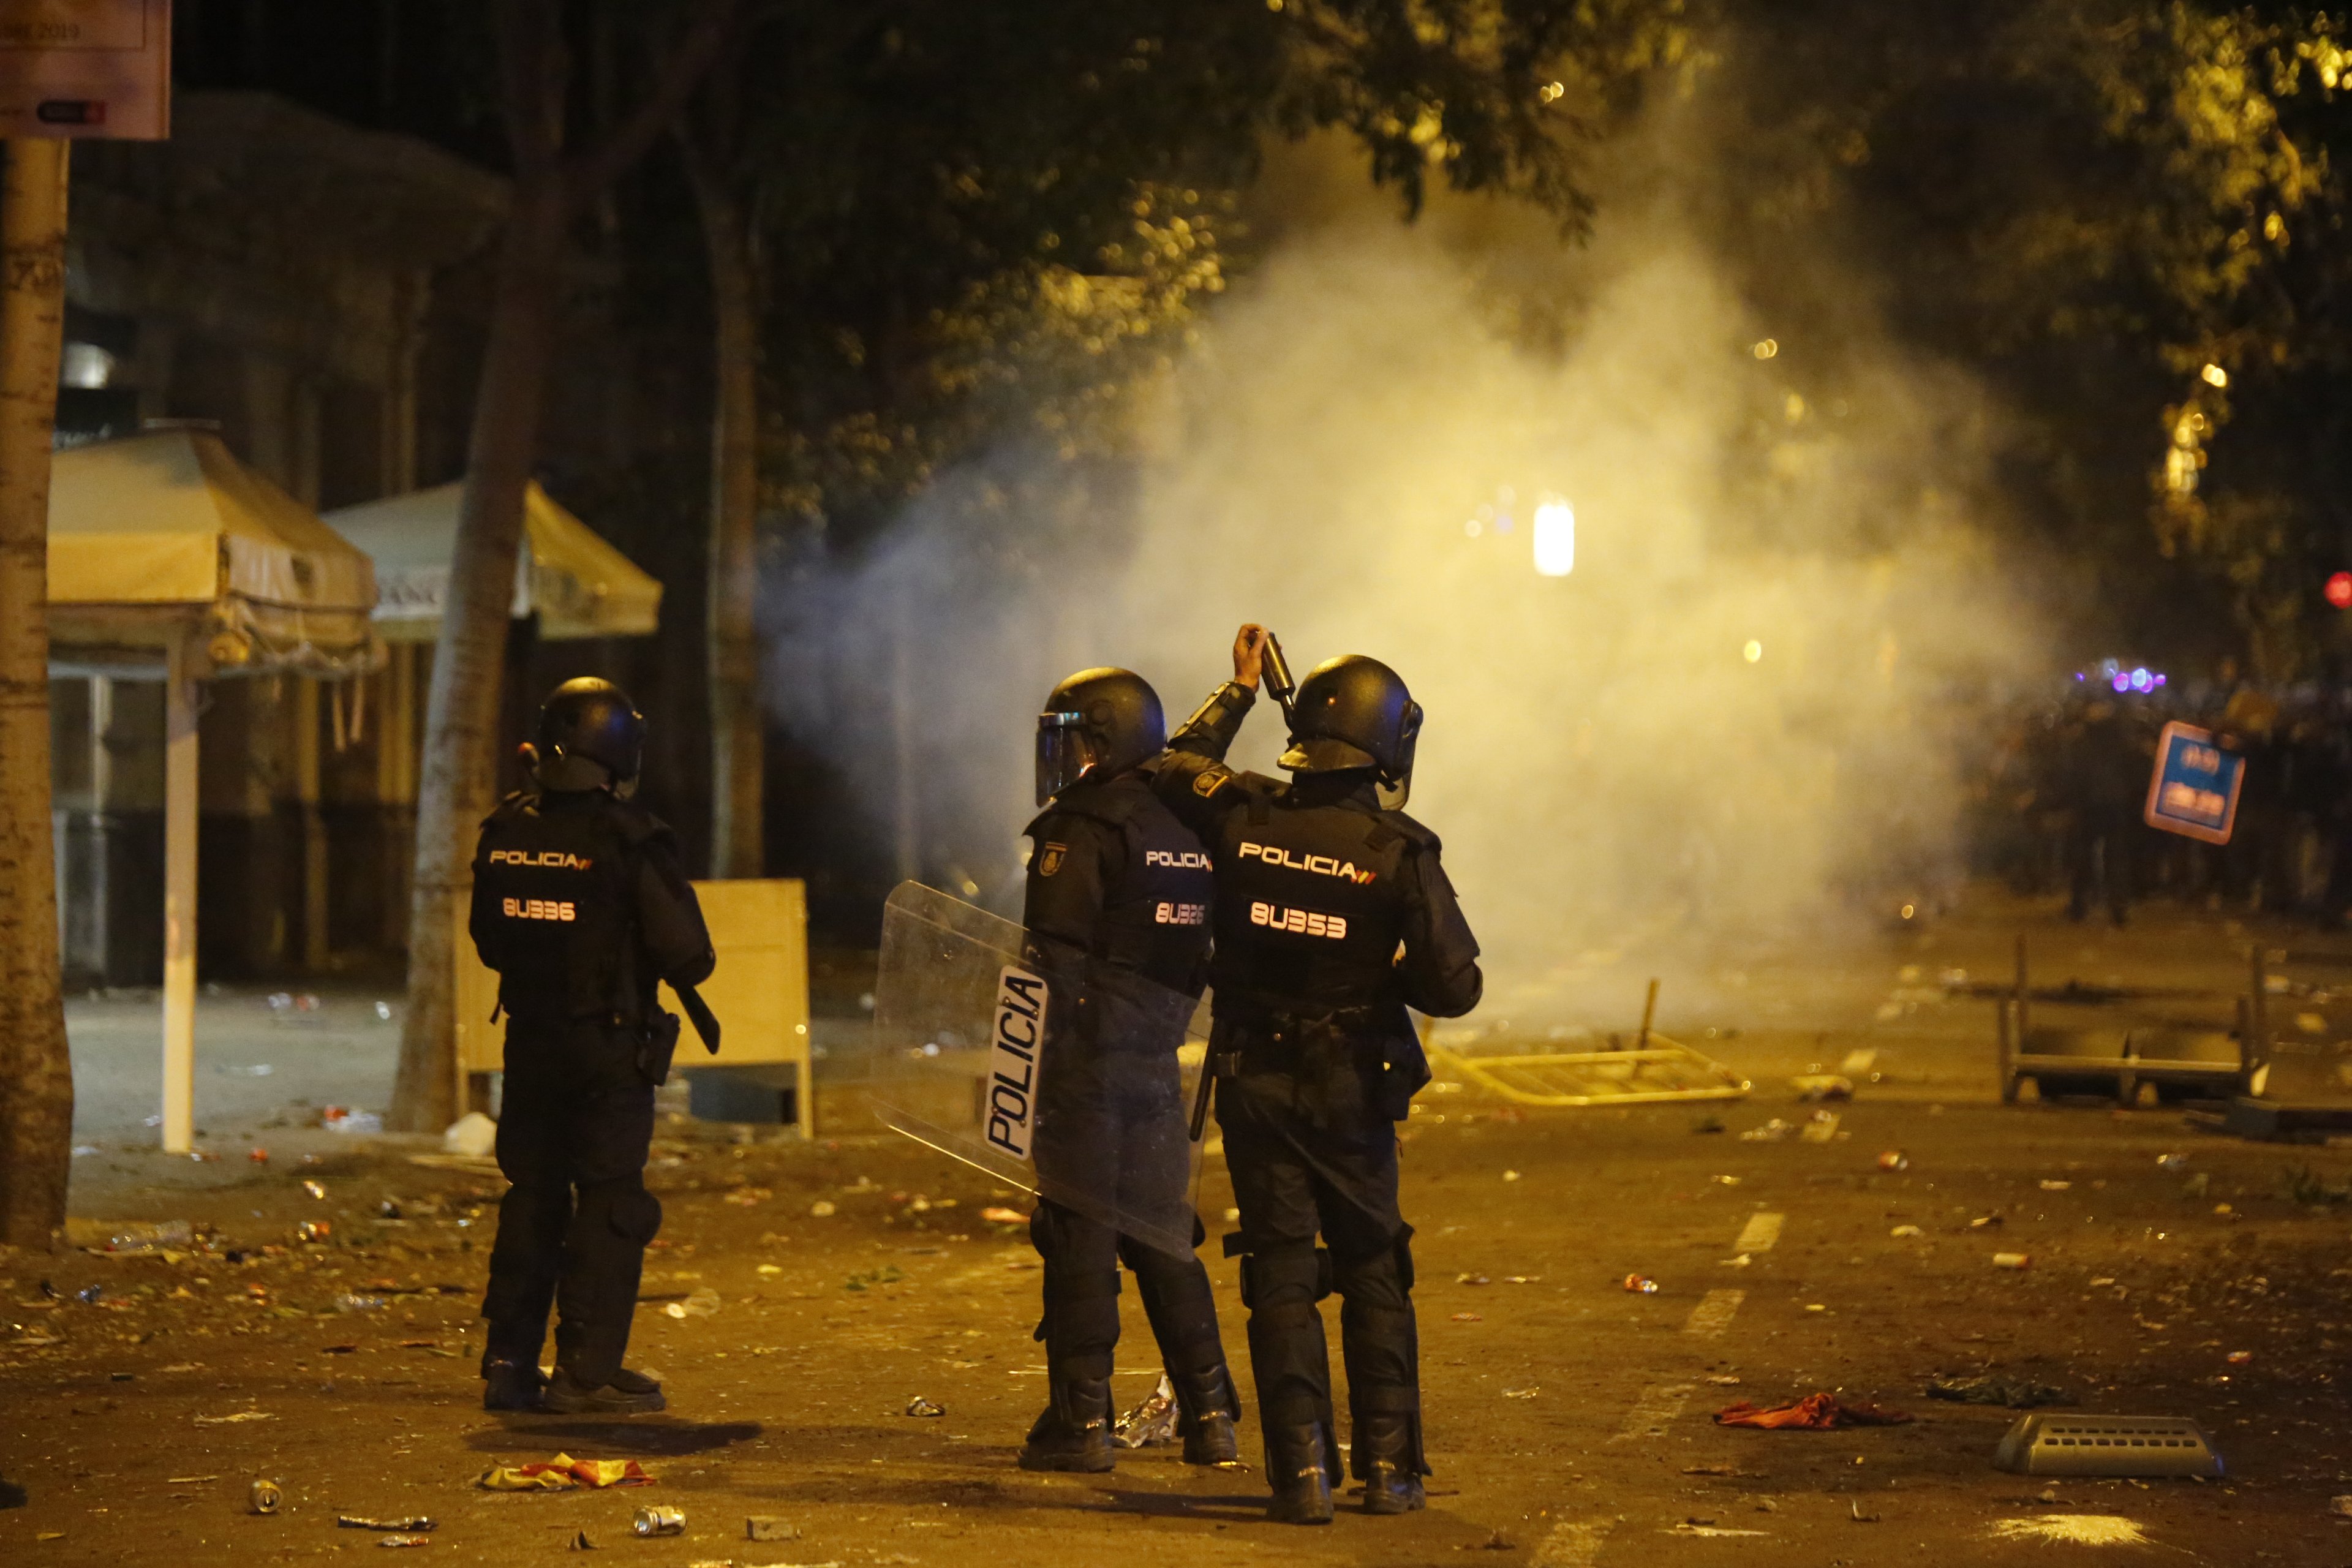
1659, 1404
1714, 1313
1574, 1545
1760, 1232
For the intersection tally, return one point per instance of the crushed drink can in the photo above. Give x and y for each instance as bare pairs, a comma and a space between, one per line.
1641, 1285
2012, 1261
659, 1520
265, 1498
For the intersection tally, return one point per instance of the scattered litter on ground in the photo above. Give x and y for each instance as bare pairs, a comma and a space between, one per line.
1895, 1160
1153, 1423
1854, 1509
1742, 1261
562, 1474
1860, 1062
1469, 1318
659, 1520
702, 1303
770, 1527
2012, 1261
580, 1541
1814, 1086
822, 1210
2074, 1529
1510, 1176
1640, 1285
2119, 1446
357, 1121
997, 1214
1521, 1393
2239, 1357
2009, 1393
866, 1278
1470, 1280
1772, 1131
404, 1526
233, 1418
350, 1301
2050, 1186
1708, 1124
264, 1497
1985, 1222
2171, 1162
314, 1189
2341, 1507
404, 1540
1710, 1532
1907, 1230
472, 1135
131, 1236
1725, 1380
314, 1230
1815, 1411
919, 1406
1822, 1129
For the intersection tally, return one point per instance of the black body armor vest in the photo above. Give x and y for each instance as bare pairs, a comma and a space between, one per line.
555, 901
1154, 919
1310, 909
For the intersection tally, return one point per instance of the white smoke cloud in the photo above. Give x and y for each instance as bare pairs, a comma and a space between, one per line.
1733, 721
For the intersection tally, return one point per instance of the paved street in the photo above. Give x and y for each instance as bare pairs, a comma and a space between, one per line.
1569, 1418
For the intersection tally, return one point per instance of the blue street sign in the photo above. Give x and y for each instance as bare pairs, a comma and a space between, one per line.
2194, 791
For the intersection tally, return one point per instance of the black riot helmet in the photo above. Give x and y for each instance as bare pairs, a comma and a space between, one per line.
590, 736
1102, 719
1354, 712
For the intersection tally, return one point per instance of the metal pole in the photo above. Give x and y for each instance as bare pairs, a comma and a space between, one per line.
1649, 1014
179, 898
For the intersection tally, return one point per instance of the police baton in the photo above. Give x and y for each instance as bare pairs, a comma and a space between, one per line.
705, 1022
1200, 1096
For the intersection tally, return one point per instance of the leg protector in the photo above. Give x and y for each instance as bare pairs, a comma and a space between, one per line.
604, 1260
1288, 1354
1380, 1343
525, 1261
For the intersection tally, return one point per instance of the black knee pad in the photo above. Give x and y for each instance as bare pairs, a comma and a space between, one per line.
1300, 1271
1381, 1278
632, 1214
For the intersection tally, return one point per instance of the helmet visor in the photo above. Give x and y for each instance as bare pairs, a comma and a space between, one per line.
1062, 753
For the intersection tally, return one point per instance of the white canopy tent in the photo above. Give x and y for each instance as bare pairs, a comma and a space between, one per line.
578, 585
170, 560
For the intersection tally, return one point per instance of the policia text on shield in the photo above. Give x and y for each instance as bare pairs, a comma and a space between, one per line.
581, 906
1332, 915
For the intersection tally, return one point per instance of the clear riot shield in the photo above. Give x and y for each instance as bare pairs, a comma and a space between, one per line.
1076, 1088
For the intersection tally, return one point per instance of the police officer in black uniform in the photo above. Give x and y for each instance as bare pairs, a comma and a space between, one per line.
1117, 915
580, 905
1333, 916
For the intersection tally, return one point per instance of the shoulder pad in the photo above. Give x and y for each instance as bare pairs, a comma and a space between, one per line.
635, 825
519, 803
1114, 802
1419, 835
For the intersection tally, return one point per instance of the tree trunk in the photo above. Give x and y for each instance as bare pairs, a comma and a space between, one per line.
36, 1069
737, 730
462, 709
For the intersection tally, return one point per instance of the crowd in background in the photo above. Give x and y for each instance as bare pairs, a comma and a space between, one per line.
2060, 798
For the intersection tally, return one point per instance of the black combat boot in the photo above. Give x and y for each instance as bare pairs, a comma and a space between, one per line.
510, 1385
1210, 1408
1074, 1433
1297, 1464
1385, 1457
625, 1393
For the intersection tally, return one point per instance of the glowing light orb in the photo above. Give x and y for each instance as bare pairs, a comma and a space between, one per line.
1753, 651
2340, 590
1555, 537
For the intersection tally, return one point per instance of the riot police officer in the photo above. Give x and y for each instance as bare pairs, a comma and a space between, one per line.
1117, 915
580, 905
1333, 916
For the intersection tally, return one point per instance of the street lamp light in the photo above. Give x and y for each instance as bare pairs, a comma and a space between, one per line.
1555, 537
